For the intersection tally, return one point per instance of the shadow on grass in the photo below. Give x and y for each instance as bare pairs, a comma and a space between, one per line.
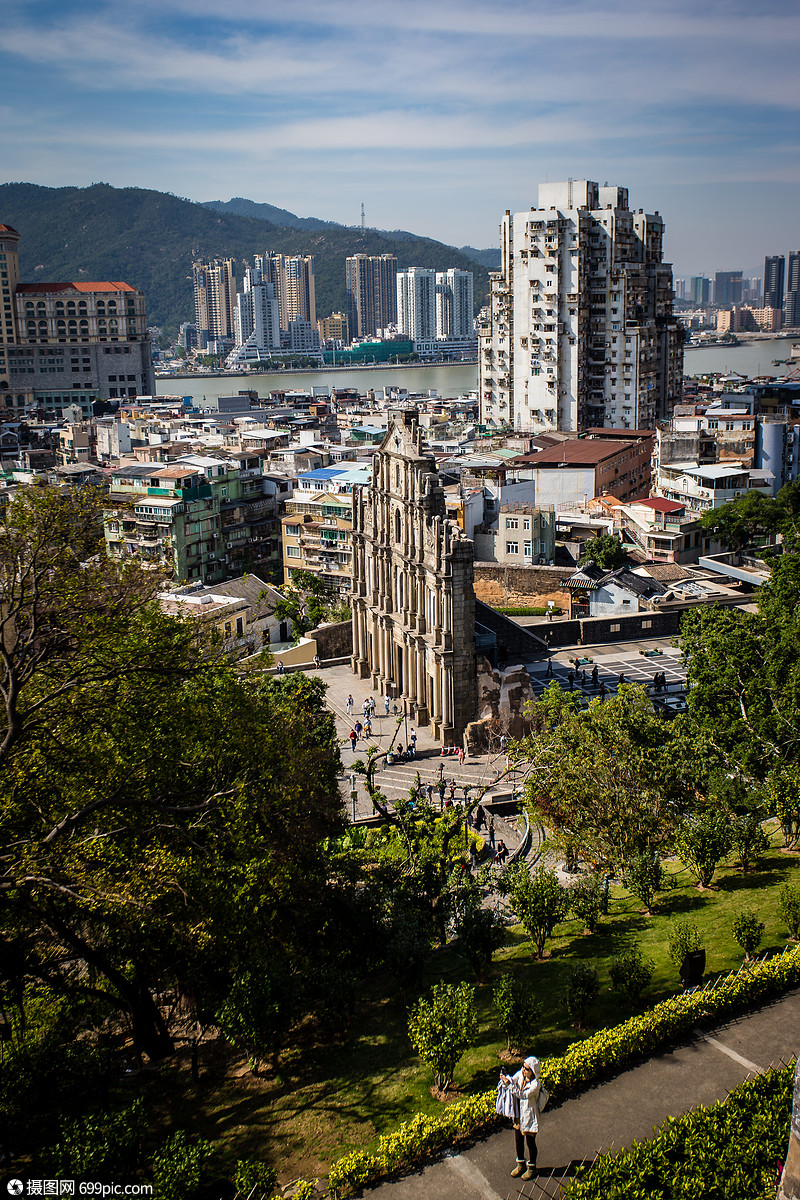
680, 902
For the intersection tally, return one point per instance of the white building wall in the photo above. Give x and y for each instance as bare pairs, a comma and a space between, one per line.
564, 485
454, 304
573, 339
416, 303
611, 600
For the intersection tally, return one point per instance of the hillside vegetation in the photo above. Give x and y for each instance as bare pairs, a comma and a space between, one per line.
150, 240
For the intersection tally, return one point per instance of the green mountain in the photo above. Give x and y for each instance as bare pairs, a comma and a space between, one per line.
150, 239
268, 212
489, 258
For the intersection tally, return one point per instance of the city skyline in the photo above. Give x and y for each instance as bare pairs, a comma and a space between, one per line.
437, 118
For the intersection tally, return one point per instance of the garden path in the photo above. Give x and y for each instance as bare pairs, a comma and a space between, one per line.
627, 1108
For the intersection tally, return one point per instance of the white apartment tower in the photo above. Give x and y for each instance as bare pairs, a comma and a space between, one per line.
256, 321
454, 304
580, 330
416, 303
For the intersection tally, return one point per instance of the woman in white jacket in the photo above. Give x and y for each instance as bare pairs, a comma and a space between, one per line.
525, 1086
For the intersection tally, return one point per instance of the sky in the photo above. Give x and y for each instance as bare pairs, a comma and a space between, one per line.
437, 115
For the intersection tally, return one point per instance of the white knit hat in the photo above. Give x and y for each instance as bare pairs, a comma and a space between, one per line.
532, 1063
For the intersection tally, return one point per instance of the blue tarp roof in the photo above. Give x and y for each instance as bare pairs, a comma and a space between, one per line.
322, 473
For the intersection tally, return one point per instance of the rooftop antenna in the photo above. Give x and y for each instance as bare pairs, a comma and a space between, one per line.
363, 226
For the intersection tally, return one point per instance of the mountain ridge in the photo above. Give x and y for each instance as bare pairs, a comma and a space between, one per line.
150, 240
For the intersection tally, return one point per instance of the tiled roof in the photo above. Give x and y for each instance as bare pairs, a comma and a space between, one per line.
103, 286
575, 452
659, 504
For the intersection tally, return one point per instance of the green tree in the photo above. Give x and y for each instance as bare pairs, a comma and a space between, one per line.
479, 929
738, 522
749, 842
684, 938
630, 973
307, 602
442, 1028
744, 670
783, 794
538, 899
518, 1012
643, 876
583, 988
586, 900
702, 842
155, 831
610, 779
748, 931
789, 903
178, 1167
605, 551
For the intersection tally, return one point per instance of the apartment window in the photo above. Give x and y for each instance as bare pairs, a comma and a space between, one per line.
512, 547
292, 551
614, 628
512, 523
647, 624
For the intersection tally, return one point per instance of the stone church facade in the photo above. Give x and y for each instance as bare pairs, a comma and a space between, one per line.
413, 600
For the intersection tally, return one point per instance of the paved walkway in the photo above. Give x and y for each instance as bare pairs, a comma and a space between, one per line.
612, 1114
479, 772
629, 1107
483, 771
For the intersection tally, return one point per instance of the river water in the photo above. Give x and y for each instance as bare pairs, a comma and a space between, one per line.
449, 381
748, 358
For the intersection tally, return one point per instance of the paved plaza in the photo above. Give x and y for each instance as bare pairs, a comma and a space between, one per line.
485, 772
624, 659
477, 772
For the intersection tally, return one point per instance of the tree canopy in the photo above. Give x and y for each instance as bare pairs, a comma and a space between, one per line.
744, 671
739, 522
607, 780
605, 550
154, 831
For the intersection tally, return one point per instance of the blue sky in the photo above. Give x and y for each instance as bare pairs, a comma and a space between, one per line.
437, 114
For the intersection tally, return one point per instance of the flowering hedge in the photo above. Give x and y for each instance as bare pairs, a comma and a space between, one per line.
728, 1149
584, 1063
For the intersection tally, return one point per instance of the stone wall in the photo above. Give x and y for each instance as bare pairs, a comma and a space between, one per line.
520, 642
654, 623
334, 641
502, 696
528, 587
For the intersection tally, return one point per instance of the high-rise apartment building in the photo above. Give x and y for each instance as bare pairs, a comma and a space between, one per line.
581, 330
791, 314
371, 285
65, 345
699, 289
454, 304
416, 303
774, 268
728, 288
256, 321
214, 300
292, 277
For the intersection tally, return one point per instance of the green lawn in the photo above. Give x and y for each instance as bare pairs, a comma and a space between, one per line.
361, 1081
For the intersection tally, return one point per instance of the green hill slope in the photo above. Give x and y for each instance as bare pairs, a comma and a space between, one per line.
150, 240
